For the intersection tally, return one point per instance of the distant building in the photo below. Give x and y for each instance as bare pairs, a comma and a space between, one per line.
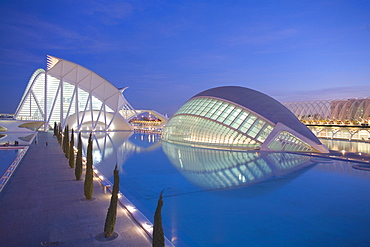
238, 118
344, 111
346, 119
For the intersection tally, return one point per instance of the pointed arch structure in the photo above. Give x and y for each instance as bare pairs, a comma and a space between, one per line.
340, 111
72, 94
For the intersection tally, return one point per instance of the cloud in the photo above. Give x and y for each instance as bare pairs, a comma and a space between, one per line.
24, 30
261, 36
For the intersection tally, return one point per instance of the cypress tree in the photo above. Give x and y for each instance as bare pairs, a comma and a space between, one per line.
55, 128
89, 185
66, 142
71, 151
59, 134
78, 169
158, 234
64, 139
110, 220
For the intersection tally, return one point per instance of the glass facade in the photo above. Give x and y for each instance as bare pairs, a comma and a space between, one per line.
236, 118
285, 141
33, 102
215, 123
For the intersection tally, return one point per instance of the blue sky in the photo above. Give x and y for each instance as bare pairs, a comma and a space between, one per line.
168, 51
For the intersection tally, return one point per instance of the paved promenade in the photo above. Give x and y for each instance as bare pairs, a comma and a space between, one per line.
43, 203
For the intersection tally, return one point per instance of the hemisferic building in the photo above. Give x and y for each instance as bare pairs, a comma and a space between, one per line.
238, 118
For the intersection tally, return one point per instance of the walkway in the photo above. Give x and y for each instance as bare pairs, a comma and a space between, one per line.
42, 202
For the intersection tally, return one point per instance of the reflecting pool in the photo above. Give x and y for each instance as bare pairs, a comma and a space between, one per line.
23, 138
354, 146
7, 156
225, 198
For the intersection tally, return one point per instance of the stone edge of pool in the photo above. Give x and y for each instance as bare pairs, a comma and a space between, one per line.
139, 217
9, 172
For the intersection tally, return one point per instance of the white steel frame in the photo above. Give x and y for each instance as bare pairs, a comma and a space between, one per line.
67, 89
345, 111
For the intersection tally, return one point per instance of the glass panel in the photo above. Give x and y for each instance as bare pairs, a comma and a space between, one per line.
225, 113
287, 142
248, 123
265, 132
257, 126
199, 131
215, 110
232, 116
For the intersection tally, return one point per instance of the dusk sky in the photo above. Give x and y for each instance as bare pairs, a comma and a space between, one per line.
168, 51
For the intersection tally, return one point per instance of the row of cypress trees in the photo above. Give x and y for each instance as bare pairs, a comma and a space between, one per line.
76, 162
110, 221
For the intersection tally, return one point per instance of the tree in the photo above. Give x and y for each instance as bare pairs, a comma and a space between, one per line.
66, 142
110, 220
55, 129
59, 134
158, 234
89, 176
71, 151
78, 169
64, 139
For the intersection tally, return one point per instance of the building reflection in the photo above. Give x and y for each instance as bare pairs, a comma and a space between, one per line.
214, 169
23, 138
111, 148
348, 146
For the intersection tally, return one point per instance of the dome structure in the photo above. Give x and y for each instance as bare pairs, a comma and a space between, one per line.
238, 118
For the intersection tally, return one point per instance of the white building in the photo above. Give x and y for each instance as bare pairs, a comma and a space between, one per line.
70, 94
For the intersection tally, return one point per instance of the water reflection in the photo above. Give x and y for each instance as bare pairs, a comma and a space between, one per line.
23, 138
111, 148
213, 169
348, 146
